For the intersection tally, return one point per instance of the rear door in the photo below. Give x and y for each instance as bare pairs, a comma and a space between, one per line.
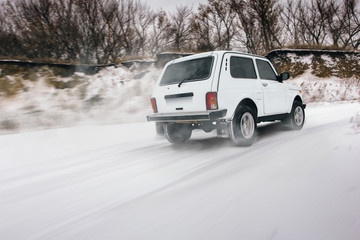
274, 91
184, 84
238, 80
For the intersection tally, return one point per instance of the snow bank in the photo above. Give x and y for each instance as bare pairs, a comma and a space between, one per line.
331, 89
114, 95
323, 75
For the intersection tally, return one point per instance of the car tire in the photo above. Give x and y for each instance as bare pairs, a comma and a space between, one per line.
296, 119
177, 133
243, 127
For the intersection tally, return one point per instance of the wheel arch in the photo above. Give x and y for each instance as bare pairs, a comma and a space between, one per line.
246, 102
298, 98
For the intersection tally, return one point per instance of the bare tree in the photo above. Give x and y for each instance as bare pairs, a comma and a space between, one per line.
126, 29
68, 33
111, 45
90, 27
214, 29
142, 19
259, 25
222, 9
100, 31
3, 32
313, 18
335, 21
267, 14
216, 20
289, 16
351, 16
202, 31
180, 27
159, 36
33, 24
248, 33
322, 22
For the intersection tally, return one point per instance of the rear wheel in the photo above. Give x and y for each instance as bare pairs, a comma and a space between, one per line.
177, 132
244, 127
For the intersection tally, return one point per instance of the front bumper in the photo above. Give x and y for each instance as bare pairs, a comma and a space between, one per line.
187, 116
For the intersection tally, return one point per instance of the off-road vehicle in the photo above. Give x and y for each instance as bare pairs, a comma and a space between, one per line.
223, 90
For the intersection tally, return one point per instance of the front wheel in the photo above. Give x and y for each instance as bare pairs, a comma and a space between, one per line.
244, 127
177, 132
296, 119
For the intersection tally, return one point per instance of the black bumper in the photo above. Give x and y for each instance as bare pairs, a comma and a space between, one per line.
187, 116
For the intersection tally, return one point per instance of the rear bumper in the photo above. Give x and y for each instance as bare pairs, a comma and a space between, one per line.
187, 116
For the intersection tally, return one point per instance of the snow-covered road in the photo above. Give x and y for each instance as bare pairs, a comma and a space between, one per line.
123, 182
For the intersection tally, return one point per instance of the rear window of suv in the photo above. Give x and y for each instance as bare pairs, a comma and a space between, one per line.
188, 71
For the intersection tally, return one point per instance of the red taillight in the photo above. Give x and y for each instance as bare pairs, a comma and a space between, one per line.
211, 101
153, 105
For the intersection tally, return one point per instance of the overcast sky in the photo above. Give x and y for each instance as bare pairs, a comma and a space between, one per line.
167, 5
170, 5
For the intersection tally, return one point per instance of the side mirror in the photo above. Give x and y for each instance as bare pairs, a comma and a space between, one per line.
284, 76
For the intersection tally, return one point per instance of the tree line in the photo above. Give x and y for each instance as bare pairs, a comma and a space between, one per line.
101, 31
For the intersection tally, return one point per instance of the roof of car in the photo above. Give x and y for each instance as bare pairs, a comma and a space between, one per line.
219, 52
238, 52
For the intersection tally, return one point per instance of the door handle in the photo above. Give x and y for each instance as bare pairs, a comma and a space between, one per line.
265, 84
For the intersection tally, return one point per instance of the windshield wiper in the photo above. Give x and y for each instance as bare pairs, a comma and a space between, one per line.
190, 76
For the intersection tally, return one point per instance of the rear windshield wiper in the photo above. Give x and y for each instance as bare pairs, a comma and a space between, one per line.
190, 76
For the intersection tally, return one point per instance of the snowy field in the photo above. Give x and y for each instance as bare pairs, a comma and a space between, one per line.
108, 182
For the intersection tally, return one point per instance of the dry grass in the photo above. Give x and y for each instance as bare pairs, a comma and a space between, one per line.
130, 58
10, 86
285, 64
39, 60
53, 81
320, 69
12, 78
317, 47
339, 64
12, 69
8, 124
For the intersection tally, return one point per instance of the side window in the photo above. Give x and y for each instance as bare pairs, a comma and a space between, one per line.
265, 70
242, 67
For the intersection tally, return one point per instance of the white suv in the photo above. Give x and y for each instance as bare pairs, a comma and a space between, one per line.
223, 90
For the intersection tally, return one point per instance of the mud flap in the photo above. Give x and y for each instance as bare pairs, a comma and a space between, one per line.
222, 128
